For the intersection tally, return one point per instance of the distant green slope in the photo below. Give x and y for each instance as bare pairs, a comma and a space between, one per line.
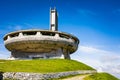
100, 76
42, 66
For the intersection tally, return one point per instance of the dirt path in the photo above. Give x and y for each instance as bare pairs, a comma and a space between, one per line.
76, 77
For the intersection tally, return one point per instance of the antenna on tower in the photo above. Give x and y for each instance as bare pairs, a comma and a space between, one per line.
53, 19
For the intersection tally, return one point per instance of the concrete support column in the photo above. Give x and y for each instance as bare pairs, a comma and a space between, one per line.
66, 54
8, 37
12, 56
38, 34
20, 34
56, 35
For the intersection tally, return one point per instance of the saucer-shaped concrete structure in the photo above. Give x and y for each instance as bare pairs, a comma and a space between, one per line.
30, 44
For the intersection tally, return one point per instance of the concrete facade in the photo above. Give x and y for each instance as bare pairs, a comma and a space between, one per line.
30, 44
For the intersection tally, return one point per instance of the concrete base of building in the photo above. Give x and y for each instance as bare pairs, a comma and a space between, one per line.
59, 53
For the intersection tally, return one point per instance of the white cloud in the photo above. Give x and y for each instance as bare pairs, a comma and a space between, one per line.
110, 58
101, 60
88, 49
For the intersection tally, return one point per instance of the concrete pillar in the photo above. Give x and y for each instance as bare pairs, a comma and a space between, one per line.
8, 37
38, 34
60, 53
20, 34
13, 54
56, 35
66, 54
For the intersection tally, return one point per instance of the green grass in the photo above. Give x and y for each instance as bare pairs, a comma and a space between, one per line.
42, 65
100, 76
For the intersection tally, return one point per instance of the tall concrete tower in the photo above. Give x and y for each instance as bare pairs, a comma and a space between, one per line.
53, 20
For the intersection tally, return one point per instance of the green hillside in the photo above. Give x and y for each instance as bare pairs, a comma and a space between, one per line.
42, 65
100, 76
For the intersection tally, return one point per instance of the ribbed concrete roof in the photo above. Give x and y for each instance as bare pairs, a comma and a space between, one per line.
37, 30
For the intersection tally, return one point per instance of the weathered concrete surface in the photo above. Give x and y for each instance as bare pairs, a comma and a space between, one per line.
40, 76
24, 43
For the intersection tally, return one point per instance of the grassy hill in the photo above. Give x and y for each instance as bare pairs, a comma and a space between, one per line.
100, 76
42, 65
50, 65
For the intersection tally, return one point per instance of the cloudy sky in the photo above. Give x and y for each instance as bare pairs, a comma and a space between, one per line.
95, 22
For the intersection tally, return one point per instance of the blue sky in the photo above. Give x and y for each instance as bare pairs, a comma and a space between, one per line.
95, 22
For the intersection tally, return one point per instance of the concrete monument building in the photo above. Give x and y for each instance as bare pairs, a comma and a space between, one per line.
35, 43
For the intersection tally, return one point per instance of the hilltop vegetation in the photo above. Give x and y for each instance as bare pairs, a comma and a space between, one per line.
100, 76
42, 65
50, 65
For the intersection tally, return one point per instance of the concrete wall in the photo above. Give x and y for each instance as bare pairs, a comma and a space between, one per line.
34, 55
39, 76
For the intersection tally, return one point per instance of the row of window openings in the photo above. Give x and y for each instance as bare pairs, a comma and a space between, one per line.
31, 33
34, 33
